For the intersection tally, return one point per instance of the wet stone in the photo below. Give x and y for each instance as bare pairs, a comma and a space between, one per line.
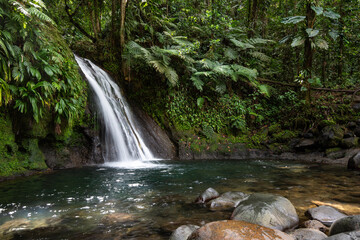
308, 234
228, 200
345, 236
183, 232
325, 214
267, 210
314, 224
346, 224
237, 230
206, 196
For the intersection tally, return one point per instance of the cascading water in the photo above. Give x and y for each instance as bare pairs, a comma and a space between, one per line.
123, 144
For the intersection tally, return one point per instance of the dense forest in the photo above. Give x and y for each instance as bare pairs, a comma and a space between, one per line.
232, 71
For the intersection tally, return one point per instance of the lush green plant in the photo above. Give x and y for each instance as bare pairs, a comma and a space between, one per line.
38, 72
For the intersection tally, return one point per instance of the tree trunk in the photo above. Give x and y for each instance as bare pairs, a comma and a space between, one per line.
341, 43
113, 21
308, 51
122, 24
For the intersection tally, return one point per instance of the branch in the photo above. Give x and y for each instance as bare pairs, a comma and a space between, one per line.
67, 8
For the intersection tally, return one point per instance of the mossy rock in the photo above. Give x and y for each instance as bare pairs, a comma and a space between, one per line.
274, 129
285, 136
279, 148
36, 157
331, 136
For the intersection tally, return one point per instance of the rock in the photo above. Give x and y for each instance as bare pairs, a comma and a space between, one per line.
308, 234
349, 134
351, 125
209, 194
346, 224
335, 154
354, 162
183, 232
356, 107
314, 224
345, 236
305, 144
267, 210
331, 136
237, 230
357, 131
228, 200
325, 214
8, 228
308, 135
350, 142
115, 218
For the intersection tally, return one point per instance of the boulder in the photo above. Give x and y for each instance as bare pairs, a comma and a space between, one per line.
237, 230
315, 224
357, 131
208, 195
325, 214
345, 236
346, 224
228, 200
331, 136
351, 125
305, 144
350, 142
183, 232
268, 210
308, 234
354, 162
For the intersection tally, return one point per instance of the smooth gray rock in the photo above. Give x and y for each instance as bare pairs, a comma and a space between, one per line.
350, 142
354, 162
345, 236
308, 234
325, 214
267, 210
305, 144
227, 201
346, 224
315, 224
209, 194
183, 232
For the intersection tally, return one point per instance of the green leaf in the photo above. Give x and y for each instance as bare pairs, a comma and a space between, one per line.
317, 10
200, 102
241, 44
264, 89
297, 41
312, 32
334, 34
331, 14
293, 19
48, 71
321, 43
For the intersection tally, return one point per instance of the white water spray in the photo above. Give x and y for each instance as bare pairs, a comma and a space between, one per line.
123, 145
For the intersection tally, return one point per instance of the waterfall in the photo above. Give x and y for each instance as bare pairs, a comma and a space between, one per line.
122, 142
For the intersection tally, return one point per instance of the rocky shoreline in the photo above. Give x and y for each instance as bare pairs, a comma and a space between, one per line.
266, 216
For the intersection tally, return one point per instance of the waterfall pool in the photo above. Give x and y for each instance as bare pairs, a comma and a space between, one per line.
107, 202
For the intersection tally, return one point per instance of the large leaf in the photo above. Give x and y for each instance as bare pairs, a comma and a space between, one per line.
331, 14
297, 41
293, 19
317, 10
334, 34
321, 43
241, 44
312, 32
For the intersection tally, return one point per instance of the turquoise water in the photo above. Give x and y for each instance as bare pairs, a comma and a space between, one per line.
148, 203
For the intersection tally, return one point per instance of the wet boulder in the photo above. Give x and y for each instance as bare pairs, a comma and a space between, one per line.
308, 234
268, 210
354, 162
237, 230
331, 136
345, 236
346, 224
183, 232
228, 200
325, 214
315, 224
304, 144
208, 195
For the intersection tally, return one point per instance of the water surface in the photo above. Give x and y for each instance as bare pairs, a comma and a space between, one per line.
105, 202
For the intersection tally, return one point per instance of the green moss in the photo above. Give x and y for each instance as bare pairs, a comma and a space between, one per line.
274, 129
284, 136
332, 150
